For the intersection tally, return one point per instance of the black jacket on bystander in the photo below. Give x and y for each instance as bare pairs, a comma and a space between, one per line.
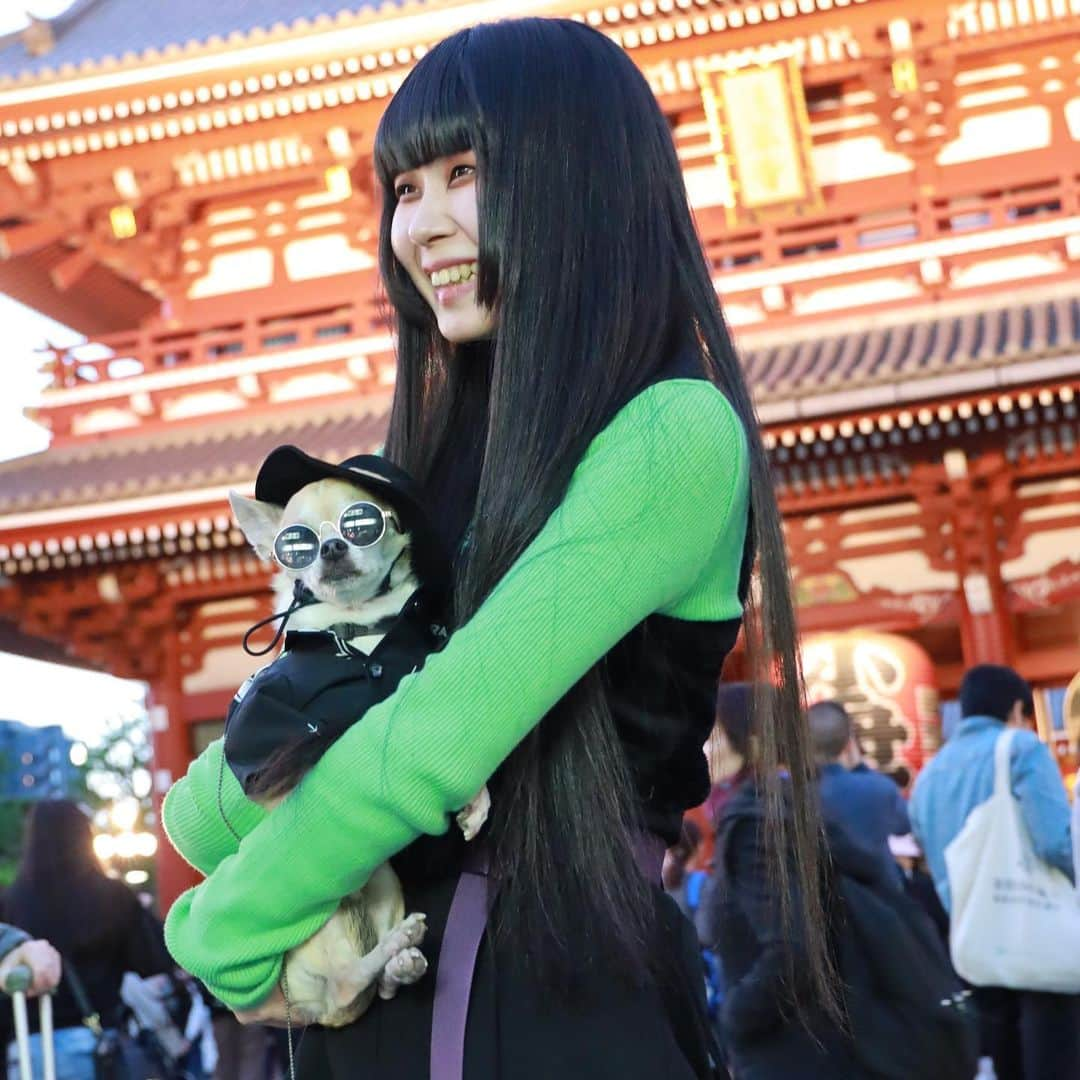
906, 1014
771, 1027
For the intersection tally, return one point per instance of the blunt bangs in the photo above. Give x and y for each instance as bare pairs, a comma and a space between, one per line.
432, 115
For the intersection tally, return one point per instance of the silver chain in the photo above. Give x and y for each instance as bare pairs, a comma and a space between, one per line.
284, 977
288, 1021
221, 798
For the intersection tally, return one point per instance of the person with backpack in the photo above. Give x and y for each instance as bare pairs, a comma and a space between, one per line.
908, 1013
1030, 1035
901, 1011
771, 1023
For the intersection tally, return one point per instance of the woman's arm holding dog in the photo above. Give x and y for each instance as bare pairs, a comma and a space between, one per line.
192, 816
654, 519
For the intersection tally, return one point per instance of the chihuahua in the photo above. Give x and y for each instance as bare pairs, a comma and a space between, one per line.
355, 605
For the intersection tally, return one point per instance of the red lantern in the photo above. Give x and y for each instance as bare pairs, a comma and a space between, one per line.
889, 688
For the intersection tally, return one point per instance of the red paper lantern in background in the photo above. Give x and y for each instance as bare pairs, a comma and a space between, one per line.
888, 686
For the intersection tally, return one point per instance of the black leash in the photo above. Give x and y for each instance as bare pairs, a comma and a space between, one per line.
302, 597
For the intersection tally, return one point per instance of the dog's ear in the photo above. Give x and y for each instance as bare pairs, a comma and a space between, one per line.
258, 521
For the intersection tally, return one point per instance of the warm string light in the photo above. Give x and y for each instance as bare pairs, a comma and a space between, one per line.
121, 841
122, 221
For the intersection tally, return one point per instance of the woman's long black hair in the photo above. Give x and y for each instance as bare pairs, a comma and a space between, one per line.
60, 892
591, 262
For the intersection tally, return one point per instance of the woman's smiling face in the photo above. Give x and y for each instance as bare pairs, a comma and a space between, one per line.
435, 238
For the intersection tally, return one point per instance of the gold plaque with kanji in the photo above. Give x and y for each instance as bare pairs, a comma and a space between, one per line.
761, 137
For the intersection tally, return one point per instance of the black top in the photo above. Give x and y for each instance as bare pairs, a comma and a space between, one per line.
661, 677
740, 917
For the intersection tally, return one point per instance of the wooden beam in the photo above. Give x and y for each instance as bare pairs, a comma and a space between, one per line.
207, 706
71, 270
1049, 665
34, 235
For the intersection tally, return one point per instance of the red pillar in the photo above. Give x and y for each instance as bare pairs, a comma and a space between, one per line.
172, 752
979, 496
985, 631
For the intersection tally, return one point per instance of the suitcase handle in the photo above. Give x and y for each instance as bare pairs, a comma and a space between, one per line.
19, 979
17, 982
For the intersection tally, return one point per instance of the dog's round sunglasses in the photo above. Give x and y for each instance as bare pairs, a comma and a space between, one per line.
362, 524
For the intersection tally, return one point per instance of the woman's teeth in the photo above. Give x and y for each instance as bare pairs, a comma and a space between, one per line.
453, 275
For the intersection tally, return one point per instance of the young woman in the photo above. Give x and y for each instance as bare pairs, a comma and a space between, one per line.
96, 924
569, 395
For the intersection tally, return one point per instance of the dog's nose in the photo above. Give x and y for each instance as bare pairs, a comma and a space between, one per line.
333, 549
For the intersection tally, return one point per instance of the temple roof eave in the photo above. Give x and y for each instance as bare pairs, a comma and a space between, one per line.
873, 373
90, 479
105, 37
17, 642
117, 38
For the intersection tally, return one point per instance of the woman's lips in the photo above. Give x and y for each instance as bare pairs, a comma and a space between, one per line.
450, 294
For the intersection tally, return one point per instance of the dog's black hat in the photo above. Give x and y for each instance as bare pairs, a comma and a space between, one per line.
287, 469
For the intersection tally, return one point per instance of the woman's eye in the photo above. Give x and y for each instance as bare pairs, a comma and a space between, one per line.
458, 171
403, 188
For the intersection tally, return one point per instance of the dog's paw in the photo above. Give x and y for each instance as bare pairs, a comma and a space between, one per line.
407, 934
406, 967
471, 819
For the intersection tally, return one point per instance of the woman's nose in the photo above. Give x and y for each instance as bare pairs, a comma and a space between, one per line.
430, 222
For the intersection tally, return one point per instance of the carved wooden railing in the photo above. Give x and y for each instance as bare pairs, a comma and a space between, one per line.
115, 357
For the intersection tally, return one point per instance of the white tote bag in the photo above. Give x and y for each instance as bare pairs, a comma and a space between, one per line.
1015, 919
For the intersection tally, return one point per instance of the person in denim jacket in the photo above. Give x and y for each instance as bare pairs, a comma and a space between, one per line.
1030, 1036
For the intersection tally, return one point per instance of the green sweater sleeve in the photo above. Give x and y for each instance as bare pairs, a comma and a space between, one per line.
192, 818
653, 520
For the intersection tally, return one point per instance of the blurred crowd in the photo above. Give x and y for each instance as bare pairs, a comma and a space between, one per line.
923, 988
897, 933
121, 1008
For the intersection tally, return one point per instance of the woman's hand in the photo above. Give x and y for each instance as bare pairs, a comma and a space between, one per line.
42, 960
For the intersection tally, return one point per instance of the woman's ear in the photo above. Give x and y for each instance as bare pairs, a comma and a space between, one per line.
258, 521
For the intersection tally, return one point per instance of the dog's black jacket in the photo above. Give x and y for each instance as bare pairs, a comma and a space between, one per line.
319, 686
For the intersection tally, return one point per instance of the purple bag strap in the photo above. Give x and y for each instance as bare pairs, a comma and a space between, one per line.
461, 945
457, 962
